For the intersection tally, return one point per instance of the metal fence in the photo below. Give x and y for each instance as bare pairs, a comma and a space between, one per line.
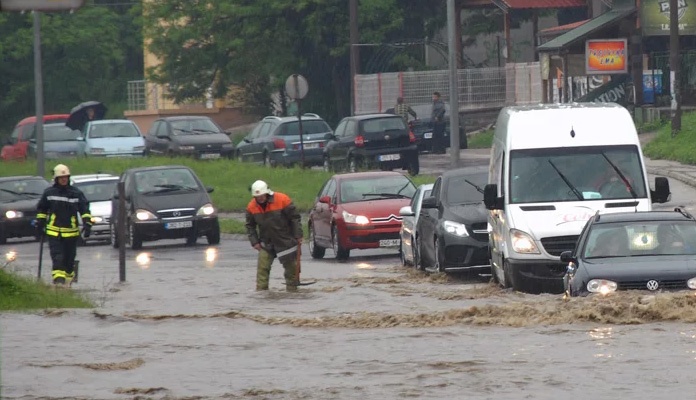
137, 95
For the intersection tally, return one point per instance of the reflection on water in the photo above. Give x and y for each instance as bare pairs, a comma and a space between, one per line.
363, 265
11, 256
143, 260
211, 254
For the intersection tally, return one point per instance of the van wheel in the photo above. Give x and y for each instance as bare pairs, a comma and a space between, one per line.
507, 280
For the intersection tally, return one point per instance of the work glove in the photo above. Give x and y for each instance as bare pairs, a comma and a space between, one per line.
87, 230
41, 226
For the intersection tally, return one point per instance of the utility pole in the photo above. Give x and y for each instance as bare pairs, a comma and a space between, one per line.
675, 66
354, 55
453, 86
38, 96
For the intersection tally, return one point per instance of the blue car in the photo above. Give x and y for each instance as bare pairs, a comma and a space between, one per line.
59, 142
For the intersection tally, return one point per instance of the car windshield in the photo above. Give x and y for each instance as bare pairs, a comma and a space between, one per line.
99, 190
194, 126
382, 124
22, 189
641, 238
374, 188
308, 128
576, 174
465, 189
116, 129
59, 133
165, 180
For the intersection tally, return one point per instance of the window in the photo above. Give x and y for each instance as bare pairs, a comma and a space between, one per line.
463, 189
341, 128
163, 129
165, 181
265, 129
153, 128
382, 187
194, 126
350, 128
100, 190
59, 133
382, 124
640, 238
113, 130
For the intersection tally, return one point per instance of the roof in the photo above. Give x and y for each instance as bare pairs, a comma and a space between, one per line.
183, 117
363, 117
111, 121
49, 117
367, 175
609, 18
20, 178
561, 28
641, 216
305, 116
92, 177
156, 168
526, 4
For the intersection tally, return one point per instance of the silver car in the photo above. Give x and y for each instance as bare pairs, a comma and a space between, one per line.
410, 214
99, 189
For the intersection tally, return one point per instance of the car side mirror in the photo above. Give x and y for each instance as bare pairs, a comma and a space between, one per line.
32, 140
80, 138
209, 189
567, 257
490, 197
325, 199
661, 194
406, 211
329, 136
429, 202
247, 140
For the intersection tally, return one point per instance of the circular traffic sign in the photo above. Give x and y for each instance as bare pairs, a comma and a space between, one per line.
296, 87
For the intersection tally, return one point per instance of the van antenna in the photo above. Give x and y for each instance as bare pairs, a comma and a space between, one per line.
572, 132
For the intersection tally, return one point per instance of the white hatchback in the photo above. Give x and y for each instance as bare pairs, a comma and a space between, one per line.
112, 138
98, 189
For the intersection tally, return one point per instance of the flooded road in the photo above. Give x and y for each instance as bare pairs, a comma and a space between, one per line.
187, 324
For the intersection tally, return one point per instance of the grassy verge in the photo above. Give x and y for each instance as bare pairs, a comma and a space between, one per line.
681, 148
482, 140
236, 226
19, 294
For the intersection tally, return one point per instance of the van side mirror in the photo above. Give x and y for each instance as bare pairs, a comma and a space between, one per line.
567, 257
429, 202
490, 197
661, 194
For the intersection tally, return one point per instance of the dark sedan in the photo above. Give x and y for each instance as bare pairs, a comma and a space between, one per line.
195, 136
165, 202
451, 233
651, 250
19, 196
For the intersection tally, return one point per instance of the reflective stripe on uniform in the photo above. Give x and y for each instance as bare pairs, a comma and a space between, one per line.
57, 273
286, 252
41, 216
63, 198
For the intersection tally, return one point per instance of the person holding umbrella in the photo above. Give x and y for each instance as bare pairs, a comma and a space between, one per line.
85, 112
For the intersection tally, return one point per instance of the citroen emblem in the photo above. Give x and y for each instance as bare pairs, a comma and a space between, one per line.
652, 285
176, 213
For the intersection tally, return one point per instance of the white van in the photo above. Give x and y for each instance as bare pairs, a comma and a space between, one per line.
552, 167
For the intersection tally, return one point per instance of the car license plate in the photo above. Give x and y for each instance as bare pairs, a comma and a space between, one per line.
389, 157
178, 225
308, 146
428, 135
210, 155
389, 243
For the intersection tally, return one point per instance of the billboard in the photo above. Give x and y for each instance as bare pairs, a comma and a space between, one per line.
654, 17
606, 56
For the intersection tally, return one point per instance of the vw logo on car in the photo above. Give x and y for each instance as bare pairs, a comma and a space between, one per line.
177, 213
652, 285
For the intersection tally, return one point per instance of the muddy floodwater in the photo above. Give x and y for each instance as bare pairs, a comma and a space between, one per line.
187, 324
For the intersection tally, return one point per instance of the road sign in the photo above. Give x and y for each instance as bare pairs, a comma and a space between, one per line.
296, 87
40, 5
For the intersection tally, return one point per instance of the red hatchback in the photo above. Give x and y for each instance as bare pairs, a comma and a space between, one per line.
16, 146
358, 211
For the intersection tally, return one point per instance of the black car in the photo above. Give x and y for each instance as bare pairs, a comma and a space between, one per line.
19, 196
649, 250
165, 202
196, 136
364, 141
423, 128
451, 232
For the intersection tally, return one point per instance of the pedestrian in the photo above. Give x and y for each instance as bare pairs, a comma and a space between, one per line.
274, 229
403, 110
437, 117
57, 216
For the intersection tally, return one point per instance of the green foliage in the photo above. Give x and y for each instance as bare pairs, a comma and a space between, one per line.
19, 293
482, 140
681, 148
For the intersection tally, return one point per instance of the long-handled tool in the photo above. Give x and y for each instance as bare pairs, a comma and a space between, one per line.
298, 268
41, 246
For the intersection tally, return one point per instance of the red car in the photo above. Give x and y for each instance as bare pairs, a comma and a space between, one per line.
358, 211
16, 146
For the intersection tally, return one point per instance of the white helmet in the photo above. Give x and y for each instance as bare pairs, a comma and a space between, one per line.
60, 170
259, 188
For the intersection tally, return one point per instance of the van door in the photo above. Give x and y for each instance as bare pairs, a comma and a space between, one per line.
497, 218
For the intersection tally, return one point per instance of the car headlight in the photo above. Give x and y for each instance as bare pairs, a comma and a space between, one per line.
96, 150
355, 219
138, 148
601, 286
522, 242
207, 209
144, 215
455, 228
97, 220
186, 148
11, 214
691, 283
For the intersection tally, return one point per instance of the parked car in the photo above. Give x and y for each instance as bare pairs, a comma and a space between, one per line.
276, 141
410, 214
422, 128
196, 136
358, 211
650, 250
363, 141
59, 142
15, 147
451, 233
19, 196
98, 189
112, 137
165, 202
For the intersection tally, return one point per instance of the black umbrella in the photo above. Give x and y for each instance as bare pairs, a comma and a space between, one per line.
78, 114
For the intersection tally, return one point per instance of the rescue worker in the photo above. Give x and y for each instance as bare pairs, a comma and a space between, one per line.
56, 217
275, 230
437, 118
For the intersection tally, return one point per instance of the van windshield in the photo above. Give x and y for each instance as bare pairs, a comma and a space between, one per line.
576, 174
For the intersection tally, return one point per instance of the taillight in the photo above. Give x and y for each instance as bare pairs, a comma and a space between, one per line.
279, 143
411, 137
359, 141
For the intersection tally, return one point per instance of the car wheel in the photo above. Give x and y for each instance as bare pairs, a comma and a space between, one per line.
439, 257
267, 160
402, 255
192, 238
417, 256
113, 236
240, 156
341, 253
353, 164
414, 166
136, 241
315, 250
327, 164
213, 236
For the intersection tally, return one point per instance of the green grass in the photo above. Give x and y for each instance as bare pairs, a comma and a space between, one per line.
19, 294
681, 148
481, 140
229, 225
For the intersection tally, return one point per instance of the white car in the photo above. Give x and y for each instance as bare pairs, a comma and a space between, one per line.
410, 214
112, 138
99, 189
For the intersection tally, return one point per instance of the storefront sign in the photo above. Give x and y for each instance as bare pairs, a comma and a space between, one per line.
606, 57
654, 17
